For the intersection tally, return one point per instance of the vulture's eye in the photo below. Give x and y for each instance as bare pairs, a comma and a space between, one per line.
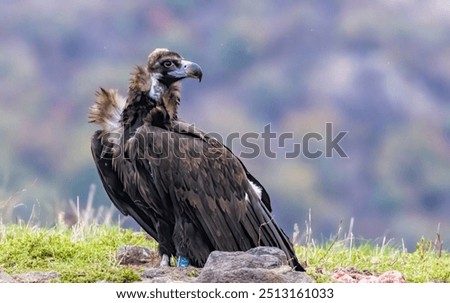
167, 63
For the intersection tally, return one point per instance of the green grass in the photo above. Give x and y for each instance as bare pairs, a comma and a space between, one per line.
423, 265
86, 254
78, 255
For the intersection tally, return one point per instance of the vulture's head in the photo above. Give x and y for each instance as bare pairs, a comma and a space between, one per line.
165, 69
168, 67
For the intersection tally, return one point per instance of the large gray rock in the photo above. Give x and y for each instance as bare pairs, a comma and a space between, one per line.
257, 265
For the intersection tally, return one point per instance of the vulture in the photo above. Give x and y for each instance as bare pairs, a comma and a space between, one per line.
183, 187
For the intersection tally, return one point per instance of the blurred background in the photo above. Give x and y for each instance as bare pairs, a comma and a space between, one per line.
379, 70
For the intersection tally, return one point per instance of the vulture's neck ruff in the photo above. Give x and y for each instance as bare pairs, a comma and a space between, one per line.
153, 94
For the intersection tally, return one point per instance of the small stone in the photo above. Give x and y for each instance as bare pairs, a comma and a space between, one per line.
5, 278
351, 275
36, 277
135, 255
168, 274
392, 276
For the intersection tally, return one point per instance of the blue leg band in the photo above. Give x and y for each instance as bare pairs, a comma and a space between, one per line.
182, 262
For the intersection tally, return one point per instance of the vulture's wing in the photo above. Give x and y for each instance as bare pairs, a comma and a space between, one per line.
190, 129
115, 188
214, 203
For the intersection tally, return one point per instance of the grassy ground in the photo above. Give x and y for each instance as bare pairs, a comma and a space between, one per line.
79, 254
423, 265
86, 254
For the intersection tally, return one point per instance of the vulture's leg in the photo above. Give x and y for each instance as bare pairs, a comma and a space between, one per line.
182, 241
166, 247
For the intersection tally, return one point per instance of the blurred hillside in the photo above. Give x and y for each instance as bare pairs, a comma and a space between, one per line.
378, 70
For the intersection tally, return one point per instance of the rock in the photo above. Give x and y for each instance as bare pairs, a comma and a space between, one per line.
5, 278
36, 277
392, 276
352, 275
257, 265
269, 251
168, 274
29, 277
343, 277
135, 255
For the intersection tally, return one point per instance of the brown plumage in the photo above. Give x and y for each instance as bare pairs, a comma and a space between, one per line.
186, 189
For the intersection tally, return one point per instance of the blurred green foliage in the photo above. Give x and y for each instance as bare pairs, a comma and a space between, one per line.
379, 70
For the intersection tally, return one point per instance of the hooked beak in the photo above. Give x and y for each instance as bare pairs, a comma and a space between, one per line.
187, 69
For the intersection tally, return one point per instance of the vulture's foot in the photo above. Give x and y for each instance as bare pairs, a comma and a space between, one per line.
164, 260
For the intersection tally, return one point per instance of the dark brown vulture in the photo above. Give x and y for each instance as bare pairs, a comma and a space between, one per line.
183, 187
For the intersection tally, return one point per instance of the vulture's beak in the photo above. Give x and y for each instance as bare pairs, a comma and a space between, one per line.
187, 69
